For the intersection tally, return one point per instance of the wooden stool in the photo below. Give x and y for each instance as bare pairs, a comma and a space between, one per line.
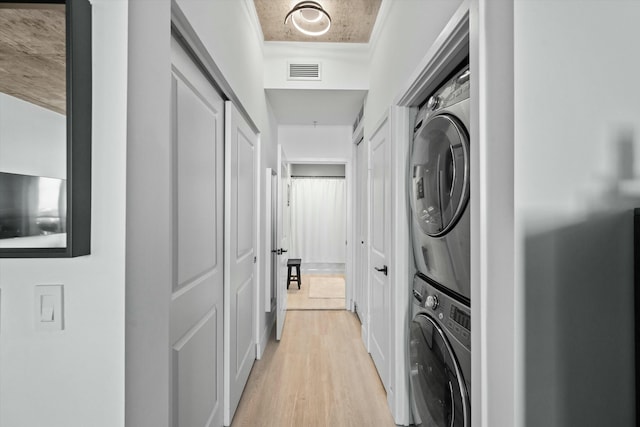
293, 263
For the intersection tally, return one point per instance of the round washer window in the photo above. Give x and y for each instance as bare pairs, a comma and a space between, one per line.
439, 393
440, 174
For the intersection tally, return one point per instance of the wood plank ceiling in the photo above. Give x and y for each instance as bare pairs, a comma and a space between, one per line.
33, 56
352, 20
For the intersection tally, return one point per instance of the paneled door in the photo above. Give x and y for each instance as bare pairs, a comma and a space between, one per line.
283, 233
380, 230
241, 150
197, 296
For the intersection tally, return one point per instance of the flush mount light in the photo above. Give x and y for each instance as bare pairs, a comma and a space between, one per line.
309, 18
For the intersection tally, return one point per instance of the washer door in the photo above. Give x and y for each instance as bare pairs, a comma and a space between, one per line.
439, 393
440, 173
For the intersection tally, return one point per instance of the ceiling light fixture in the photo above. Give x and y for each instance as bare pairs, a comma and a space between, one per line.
309, 18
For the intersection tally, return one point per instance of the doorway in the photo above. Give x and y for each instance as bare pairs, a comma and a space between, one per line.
318, 201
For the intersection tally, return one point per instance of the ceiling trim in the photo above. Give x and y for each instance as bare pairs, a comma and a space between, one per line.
322, 46
381, 19
254, 20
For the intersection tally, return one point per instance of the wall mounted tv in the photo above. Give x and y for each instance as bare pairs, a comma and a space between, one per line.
32, 206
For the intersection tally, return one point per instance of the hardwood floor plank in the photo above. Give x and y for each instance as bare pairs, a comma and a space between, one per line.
319, 374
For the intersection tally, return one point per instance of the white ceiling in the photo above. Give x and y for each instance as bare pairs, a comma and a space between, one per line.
325, 107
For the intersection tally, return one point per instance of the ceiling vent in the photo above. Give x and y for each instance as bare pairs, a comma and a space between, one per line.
304, 71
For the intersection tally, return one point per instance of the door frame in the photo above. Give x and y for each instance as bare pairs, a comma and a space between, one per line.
360, 270
271, 189
349, 180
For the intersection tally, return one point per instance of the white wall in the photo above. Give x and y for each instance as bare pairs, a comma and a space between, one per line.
149, 236
33, 140
321, 142
75, 378
344, 65
577, 121
408, 32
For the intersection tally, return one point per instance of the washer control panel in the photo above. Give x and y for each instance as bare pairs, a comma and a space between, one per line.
456, 89
451, 314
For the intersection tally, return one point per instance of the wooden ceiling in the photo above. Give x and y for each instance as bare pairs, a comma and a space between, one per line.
33, 55
351, 20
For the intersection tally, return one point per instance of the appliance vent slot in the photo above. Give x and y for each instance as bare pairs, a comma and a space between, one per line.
304, 71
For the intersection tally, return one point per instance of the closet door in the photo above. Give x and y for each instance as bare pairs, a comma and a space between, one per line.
197, 193
241, 160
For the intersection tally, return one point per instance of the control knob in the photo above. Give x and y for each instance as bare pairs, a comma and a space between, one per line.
432, 302
433, 103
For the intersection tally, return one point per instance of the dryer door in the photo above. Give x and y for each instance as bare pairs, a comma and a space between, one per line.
440, 174
439, 393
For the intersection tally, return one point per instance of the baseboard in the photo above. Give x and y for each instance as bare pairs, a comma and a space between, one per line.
322, 268
266, 333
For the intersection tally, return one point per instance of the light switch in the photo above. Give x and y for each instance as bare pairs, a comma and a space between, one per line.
47, 303
49, 311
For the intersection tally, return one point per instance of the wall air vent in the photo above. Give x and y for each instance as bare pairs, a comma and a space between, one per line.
304, 71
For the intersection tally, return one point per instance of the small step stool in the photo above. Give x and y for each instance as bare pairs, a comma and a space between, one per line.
291, 264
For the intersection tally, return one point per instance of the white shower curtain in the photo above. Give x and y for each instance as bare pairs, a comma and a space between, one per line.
318, 220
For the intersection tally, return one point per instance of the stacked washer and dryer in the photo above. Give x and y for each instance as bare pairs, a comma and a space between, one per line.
440, 329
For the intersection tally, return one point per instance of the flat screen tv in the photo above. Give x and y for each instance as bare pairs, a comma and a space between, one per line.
32, 205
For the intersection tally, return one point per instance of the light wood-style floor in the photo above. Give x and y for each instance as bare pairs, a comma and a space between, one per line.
319, 374
298, 299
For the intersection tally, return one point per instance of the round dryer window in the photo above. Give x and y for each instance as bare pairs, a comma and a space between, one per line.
440, 174
439, 393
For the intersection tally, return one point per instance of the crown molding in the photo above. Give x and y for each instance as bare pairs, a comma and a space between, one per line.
254, 20
383, 14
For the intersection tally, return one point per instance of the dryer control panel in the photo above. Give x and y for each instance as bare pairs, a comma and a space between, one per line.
452, 315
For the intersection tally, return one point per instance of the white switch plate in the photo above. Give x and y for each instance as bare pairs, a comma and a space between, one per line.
49, 308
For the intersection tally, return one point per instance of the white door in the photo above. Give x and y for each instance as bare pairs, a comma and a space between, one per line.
362, 224
284, 229
271, 256
197, 299
241, 148
380, 215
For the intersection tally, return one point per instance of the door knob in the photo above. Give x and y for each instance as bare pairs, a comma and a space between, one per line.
383, 270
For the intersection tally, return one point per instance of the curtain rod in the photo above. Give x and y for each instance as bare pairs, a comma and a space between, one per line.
323, 177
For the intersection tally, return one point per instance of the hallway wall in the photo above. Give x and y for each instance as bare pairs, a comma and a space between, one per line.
577, 163
343, 65
32, 150
405, 37
75, 377
225, 28
315, 142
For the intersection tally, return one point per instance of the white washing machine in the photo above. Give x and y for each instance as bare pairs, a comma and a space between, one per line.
440, 358
439, 187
